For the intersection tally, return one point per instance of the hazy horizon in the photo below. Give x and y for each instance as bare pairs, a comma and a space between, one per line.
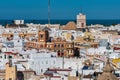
60, 19
64, 22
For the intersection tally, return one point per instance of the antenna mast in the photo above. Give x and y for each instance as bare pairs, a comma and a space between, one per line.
48, 13
81, 10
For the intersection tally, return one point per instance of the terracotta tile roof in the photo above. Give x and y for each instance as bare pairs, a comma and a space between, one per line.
11, 53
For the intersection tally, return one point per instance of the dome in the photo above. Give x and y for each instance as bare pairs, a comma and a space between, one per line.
107, 73
108, 67
70, 26
107, 76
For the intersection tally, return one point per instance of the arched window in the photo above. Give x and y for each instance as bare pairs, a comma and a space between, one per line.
82, 24
58, 52
62, 45
58, 45
41, 46
54, 45
41, 36
62, 54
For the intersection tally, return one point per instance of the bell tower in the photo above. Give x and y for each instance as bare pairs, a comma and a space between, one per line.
43, 37
81, 20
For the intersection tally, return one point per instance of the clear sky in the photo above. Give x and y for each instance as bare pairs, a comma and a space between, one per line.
60, 9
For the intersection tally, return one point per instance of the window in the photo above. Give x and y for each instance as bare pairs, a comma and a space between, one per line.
10, 78
58, 52
68, 51
62, 45
58, 45
41, 46
46, 62
54, 45
41, 36
5, 56
62, 54
41, 70
10, 57
82, 25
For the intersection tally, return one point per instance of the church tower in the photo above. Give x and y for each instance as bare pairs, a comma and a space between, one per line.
43, 37
81, 20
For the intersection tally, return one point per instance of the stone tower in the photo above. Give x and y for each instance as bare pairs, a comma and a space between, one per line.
81, 21
107, 73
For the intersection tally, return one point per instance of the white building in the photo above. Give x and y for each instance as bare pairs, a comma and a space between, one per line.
43, 60
18, 21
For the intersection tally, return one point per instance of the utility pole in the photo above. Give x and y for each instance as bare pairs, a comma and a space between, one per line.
82, 75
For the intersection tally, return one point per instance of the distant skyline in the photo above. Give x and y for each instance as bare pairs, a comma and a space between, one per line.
60, 9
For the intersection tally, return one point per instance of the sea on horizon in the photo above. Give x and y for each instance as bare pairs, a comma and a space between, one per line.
64, 22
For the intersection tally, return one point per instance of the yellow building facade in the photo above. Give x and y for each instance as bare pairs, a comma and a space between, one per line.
10, 72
